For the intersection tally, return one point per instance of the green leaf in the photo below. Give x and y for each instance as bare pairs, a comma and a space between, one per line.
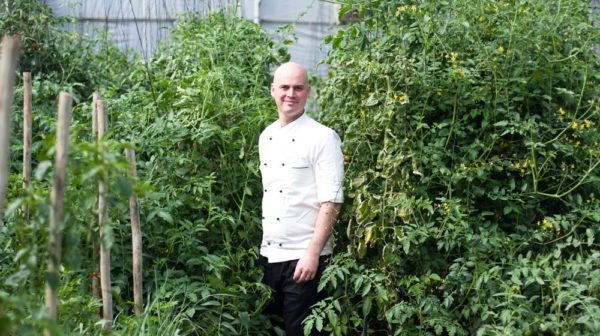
244, 319
166, 216
308, 325
41, 169
319, 323
366, 289
13, 206
332, 317
366, 306
372, 100
583, 319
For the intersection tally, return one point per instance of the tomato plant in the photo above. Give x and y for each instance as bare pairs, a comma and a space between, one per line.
472, 135
193, 112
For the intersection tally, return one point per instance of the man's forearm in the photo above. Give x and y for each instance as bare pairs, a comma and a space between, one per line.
326, 218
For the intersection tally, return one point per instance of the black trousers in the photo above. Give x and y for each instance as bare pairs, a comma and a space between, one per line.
291, 300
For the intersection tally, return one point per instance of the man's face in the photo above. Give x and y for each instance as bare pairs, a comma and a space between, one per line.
290, 90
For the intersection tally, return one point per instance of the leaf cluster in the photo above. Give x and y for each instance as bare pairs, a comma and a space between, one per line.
471, 133
193, 113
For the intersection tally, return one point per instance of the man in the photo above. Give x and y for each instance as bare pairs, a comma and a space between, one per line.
302, 168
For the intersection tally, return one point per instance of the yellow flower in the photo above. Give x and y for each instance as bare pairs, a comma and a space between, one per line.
561, 111
574, 125
400, 10
501, 49
547, 224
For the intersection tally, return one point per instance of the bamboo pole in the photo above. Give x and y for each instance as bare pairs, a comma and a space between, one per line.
95, 98
27, 123
95, 288
105, 288
8, 64
136, 239
57, 197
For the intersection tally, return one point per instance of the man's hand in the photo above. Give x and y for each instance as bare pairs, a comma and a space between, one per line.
306, 268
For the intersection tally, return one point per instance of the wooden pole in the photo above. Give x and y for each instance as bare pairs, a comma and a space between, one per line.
95, 288
8, 65
95, 98
57, 197
27, 123
107, 312
136, 239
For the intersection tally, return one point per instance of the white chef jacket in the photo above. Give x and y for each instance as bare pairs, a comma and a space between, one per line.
302, 165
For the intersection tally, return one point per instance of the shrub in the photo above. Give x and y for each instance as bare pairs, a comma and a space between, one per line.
471, 131
194, 115
193, 112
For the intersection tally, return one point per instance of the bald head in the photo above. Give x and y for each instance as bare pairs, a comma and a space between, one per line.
290, 67
290, 90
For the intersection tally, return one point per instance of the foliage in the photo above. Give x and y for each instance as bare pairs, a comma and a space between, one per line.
56, 60
471, 134
194, 115
193, 112
77, 64
471, 137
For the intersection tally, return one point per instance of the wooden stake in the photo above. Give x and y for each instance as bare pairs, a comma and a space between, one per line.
57, 197
27, 123
136, 239
95, 98
95, 288
107, 312
8, 64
